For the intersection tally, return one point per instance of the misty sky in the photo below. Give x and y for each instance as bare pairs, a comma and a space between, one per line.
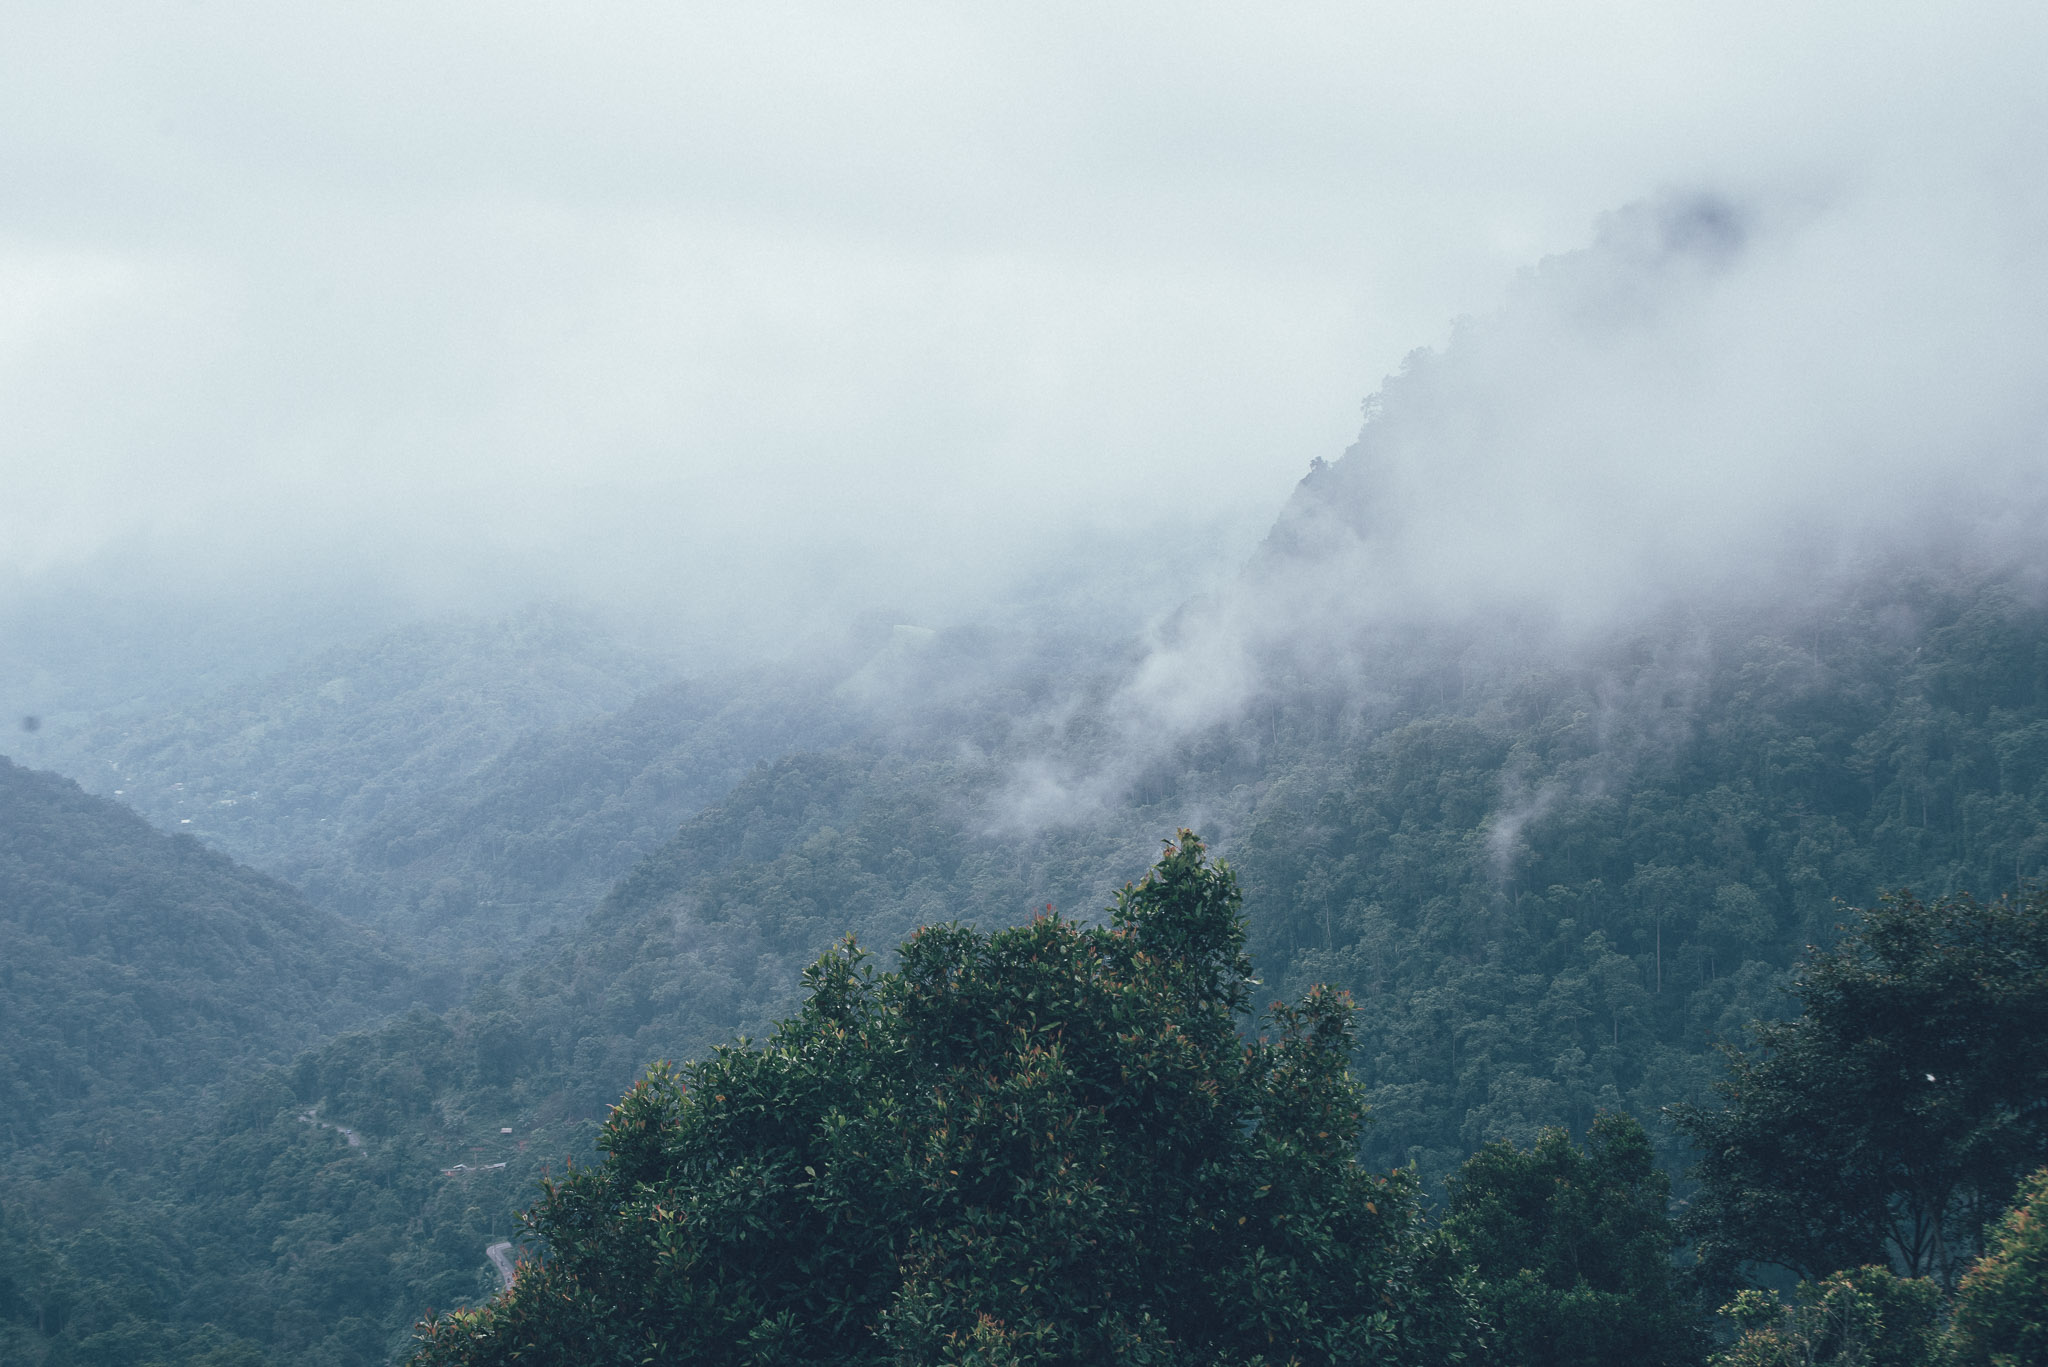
890, 304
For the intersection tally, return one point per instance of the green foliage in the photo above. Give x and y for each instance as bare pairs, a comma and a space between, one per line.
142, 976
1861, 1317
2001, 1310
1572, 1250
1550, 884
1891, 1119
103, 1289
137, 969
1553, 886
1046, 1144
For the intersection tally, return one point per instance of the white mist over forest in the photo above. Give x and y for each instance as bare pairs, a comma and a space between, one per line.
1718, 402
755, 322
523, 527
1719, 406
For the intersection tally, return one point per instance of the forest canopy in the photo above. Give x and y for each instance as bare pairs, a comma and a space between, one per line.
1549, 887
1045, 1144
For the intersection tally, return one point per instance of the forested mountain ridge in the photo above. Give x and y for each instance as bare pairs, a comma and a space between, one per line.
1551, 882
1551, 893
145, 980
1557, 844
139, 970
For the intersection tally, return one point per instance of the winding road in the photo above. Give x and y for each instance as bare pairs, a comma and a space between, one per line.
500, 1255
355, 1141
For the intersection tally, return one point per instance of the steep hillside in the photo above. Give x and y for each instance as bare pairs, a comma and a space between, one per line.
1552, 881
1553, 893
144, 981
1553, 878
141, 971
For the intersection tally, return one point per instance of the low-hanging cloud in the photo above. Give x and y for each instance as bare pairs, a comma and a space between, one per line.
1724, 399
1715, 394
761, 312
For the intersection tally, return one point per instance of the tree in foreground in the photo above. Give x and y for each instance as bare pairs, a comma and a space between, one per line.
1860, 1317
1892, 1120
2001, 1313
1572, 1250
1043, 1145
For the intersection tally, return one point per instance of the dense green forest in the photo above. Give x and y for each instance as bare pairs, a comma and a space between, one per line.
1554, 896
1552, 885
142, 969
1558, 854
1063, 1144
143, 980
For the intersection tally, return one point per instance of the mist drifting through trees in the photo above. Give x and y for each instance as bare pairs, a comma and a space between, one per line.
520, 533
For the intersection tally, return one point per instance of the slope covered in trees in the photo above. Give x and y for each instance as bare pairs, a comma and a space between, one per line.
1550, 884
138, 969
1555, 843
1552, 894
1549, 895
143, 980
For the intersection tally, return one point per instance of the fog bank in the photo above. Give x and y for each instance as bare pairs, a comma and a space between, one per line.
802, 311
1725, 404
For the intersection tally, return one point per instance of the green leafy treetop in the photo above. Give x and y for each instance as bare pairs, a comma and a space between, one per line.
2001, 1314
1572, 1248
1859, 1317
1048, 1144
1891, 1121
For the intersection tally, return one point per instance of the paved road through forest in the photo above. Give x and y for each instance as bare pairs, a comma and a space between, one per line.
499, 1253
355, 1141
